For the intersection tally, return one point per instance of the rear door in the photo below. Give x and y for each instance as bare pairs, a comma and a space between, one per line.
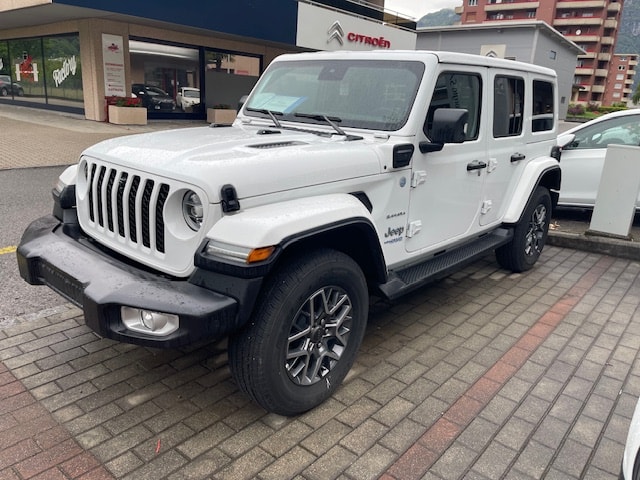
523, 117
506, 144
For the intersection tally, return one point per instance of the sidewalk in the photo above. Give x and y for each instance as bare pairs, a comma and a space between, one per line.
483, 375
40, 138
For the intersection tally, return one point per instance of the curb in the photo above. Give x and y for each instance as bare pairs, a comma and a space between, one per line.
596, 244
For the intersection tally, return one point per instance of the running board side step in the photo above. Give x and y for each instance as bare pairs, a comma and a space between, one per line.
409, 278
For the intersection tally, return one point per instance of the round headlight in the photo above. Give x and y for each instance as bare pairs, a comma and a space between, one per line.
192, 210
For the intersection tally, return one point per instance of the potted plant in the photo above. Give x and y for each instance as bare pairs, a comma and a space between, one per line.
126, 111
221, 114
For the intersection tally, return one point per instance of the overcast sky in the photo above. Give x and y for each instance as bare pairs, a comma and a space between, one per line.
418, 8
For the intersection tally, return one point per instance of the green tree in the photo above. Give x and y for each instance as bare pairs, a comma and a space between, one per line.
636, 96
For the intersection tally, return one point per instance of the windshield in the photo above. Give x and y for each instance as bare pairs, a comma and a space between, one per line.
369, 94
191, 93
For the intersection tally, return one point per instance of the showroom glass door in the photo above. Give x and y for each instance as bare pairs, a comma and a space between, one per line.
167, 79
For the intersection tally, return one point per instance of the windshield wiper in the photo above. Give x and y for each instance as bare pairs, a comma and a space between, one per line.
331, 121
271, 113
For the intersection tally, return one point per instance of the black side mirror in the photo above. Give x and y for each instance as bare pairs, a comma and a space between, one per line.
448, 126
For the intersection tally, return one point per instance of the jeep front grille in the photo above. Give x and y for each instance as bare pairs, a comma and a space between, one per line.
128, 205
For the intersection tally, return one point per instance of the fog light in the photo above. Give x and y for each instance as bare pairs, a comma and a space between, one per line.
147, 321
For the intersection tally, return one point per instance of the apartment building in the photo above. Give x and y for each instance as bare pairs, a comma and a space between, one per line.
590, 24
620, 83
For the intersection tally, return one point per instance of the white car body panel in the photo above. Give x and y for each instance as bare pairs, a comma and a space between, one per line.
267, 225
632, 445
582, 167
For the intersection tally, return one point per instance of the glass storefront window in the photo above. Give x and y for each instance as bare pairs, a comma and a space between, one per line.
44, 70
63, 70
8, 86
27, 69
166, 78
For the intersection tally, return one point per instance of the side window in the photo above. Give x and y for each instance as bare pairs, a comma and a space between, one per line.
542, 119
620, 131
508, 106
457, 90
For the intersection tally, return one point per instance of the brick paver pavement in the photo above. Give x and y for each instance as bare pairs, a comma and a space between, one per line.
483, 375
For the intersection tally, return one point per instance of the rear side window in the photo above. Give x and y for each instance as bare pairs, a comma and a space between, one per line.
457, 90
543, 113
508, 106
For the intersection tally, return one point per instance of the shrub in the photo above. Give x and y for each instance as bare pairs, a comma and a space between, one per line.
611, 109
124, 101
592, 107
576, 110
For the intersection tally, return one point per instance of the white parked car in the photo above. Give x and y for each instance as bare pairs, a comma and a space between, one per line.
583, 151
630, 459
187, 97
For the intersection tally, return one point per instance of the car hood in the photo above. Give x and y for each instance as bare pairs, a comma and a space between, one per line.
255, 160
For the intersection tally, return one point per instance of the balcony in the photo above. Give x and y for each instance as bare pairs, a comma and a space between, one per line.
614, 7
581, 4
560, 22
588, 55
607, 40
597, 88
459, 10
585, 88
583, 38
605, 57
584, 71
610, 23
511, 6
602, 72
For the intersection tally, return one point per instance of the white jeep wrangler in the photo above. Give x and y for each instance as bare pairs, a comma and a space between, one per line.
344, 174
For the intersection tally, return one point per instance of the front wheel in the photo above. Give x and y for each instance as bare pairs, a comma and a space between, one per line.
529, 235
304, 335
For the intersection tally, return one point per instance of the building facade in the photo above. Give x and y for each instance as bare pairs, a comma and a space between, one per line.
620, 82
591, 24
64, 55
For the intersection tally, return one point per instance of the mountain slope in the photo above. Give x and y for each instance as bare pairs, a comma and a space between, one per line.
443, 17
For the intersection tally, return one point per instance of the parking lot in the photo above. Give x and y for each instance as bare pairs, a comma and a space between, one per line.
483, 375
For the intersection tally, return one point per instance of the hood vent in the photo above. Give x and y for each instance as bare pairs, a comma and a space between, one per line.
276, 145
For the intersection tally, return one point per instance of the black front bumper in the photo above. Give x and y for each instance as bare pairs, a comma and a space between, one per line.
102, 284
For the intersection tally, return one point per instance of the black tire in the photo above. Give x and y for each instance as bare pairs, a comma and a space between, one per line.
288, 363
4, 92
529, 236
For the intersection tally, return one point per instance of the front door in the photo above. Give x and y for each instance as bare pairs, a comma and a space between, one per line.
447, 186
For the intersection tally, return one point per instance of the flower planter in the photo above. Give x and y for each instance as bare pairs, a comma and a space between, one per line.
127, 115
221, 116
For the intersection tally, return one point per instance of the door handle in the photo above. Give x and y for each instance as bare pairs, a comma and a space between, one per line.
476, 165
516, 157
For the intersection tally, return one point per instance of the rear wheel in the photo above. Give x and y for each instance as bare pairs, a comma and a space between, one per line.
304, 335
530, 235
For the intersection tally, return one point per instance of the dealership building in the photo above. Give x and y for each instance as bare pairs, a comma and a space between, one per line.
62, 55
